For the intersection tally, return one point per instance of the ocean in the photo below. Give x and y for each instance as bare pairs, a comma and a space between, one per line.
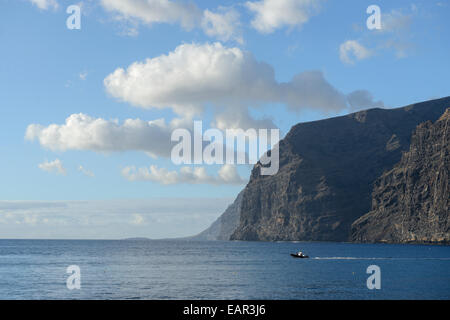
171, 269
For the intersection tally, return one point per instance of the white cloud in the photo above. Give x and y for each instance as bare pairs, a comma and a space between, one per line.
362, 99
396, 21
189, 80
240, 119
226, 175
137, 219
275, 14
311, 90
352, 50
229, 175
129, 31
83, 75
111, 219
53, 166
223, 24
193, 76
30, 219
45, 4
395, 33
82, 132
85, 171
156, 11
396, 25
402, 49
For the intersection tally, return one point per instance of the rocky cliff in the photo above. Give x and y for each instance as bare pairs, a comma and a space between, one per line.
327, 171
224, 226
410, 203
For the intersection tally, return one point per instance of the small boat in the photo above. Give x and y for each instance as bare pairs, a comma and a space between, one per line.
295, 255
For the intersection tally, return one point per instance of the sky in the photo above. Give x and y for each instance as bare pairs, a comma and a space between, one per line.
86, 114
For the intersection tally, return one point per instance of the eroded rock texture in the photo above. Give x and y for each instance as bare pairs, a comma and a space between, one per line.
327, 173
411, 201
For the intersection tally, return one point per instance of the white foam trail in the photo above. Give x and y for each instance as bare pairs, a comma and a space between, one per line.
374, 258
347, 258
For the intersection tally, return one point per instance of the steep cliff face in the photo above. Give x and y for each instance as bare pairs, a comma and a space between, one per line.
224, 226
411, 202
326, 175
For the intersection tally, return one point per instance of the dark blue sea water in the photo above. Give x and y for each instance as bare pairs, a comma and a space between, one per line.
36, 269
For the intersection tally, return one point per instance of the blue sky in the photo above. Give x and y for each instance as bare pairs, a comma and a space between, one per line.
49, 73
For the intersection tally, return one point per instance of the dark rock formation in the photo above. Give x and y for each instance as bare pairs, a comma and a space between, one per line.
224, 226
326, 175
410, 202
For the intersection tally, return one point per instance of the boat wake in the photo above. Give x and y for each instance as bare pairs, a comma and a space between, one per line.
348, 258
374, 258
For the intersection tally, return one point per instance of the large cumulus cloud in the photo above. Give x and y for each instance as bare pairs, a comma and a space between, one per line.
82, 132
196, 75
